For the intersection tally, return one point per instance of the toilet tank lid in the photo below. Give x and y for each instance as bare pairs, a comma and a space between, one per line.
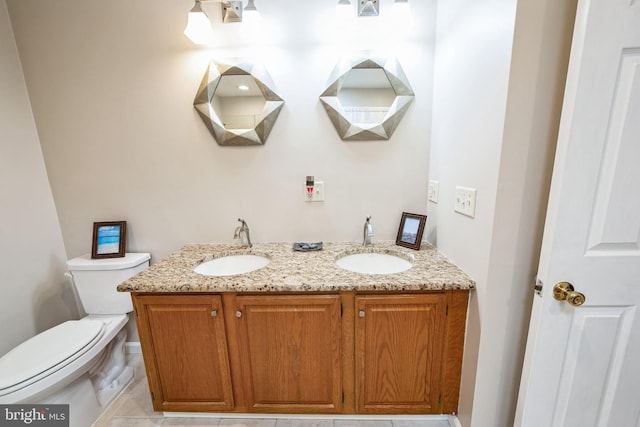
85, 262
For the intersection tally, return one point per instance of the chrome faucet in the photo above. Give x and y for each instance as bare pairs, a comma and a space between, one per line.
242, 233
367, 233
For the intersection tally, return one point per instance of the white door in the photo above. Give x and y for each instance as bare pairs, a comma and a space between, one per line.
582, 365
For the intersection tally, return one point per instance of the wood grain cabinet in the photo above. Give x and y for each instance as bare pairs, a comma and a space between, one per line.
399, 345
290, 350
409, 349
184, 345
377, 353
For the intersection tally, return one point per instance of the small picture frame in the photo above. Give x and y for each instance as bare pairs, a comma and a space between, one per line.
410, 230
109, 239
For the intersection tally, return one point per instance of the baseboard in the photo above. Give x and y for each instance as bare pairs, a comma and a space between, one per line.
454, 421
313, 416
132, 347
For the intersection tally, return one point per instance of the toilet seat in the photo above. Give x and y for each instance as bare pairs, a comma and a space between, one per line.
47, 352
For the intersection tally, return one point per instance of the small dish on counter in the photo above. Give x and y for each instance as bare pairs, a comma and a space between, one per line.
307, 247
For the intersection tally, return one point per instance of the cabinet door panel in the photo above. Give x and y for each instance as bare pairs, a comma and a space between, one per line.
291, 352
191, 366
399, 346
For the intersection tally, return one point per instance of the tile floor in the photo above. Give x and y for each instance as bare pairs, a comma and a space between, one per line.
133, 409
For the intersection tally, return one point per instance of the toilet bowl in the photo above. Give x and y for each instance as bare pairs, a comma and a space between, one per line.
79, 362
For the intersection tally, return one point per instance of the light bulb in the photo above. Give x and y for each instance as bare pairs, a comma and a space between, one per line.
343, 9
198, 26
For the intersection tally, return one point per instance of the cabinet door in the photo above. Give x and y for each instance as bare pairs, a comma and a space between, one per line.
399, 347
291, 352
185, 352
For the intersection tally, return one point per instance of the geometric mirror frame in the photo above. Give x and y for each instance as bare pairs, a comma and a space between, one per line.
386, 122
255, 133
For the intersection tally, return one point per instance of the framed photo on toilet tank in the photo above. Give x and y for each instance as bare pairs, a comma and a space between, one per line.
109, 239
410, 231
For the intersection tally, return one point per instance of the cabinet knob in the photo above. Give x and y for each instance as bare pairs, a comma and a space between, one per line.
238, 313
361, 313
214, 313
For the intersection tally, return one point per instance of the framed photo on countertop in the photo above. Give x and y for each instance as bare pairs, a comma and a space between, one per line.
109, 239
410, 230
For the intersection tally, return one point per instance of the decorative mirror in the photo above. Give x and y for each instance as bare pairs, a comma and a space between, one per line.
237, 104
367, 97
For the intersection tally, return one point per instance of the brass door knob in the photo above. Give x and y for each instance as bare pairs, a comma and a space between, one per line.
564, 291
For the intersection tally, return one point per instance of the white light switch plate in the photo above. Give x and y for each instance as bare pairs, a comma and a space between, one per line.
465, 202
433, 190
318, 192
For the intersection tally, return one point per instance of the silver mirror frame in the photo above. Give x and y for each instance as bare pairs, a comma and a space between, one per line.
202, 103
383, 130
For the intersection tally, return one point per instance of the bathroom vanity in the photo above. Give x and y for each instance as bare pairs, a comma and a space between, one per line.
302, 335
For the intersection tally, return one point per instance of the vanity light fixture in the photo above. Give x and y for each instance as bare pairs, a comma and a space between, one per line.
344, 9
251, 15
198, 27
232, 11
368, 7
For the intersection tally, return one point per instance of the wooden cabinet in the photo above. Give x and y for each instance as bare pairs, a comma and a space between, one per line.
409, 349
185, 352
399, 345
304, 353
290, 350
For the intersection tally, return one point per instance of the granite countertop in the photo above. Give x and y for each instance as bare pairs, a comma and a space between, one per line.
293, 271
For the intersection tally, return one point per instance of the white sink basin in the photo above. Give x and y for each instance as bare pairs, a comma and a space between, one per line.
232, 265
374, 263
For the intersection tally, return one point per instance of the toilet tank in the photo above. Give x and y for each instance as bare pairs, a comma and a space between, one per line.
96, 281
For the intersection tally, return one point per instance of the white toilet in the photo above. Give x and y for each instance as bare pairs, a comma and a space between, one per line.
79, 362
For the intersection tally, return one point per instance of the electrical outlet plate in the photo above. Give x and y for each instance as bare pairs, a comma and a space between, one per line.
318, 192
433, 190
465, 202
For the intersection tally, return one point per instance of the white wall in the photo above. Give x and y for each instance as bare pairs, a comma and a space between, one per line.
35, 293
473, 54
112, 86
499, 79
